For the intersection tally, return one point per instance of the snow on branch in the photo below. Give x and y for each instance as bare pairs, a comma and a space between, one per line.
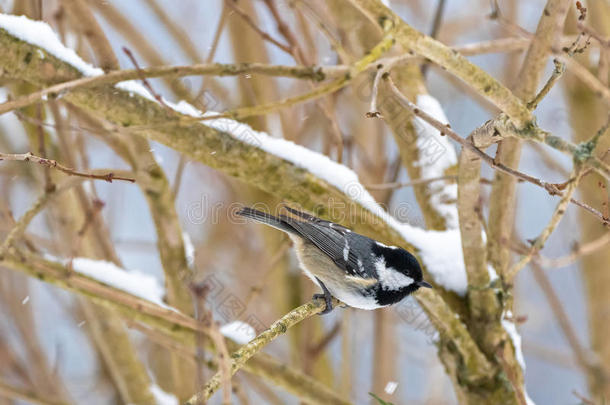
442, 195
133, 282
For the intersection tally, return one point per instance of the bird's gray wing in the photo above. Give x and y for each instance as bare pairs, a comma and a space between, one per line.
310, 218
335, 243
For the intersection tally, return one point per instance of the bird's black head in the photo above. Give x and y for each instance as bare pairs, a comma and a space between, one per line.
398, 263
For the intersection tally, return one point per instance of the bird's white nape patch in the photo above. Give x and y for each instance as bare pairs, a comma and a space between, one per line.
390, 278
346, 251
386, 246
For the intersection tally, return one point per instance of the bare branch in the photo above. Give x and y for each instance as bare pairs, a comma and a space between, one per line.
29, 157
241, 356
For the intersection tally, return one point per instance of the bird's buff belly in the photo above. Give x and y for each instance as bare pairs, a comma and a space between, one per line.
347, 289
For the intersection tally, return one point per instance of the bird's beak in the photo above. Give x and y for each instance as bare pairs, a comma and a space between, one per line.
424, 284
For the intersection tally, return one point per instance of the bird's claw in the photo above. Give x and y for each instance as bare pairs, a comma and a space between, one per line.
328, 299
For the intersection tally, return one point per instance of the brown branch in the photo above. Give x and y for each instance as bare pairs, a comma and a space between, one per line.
12, 392
255, 27
512, 376
175, 29
578, 252
284, 29
83, 19
146, 83
316, 73
585, 359
175, 324
604, 41
558, 214
416, 182
314, 350
29, 157
244, 353
446, 130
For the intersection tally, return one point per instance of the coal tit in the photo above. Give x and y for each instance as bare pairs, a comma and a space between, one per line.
357, 270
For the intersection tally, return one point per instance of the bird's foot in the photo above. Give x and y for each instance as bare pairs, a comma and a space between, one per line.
328, 299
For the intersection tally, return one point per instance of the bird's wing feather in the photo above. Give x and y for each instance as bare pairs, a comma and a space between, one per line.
310, 218
333, 243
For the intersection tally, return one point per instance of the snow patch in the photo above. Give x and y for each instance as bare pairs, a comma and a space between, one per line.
436, 155
511, 330
41, 34
493, 275
239, 331
133, 282
442, 255
133, 87
162, 397
189, 249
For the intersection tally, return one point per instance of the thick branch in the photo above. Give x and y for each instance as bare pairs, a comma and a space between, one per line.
452, 61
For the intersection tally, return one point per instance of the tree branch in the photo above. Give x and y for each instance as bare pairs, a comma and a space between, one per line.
244, 353
166, 320
29, 157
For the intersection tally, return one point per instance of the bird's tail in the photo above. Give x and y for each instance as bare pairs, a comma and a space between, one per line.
268, 219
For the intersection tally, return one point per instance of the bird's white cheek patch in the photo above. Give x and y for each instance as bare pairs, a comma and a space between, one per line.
391, 279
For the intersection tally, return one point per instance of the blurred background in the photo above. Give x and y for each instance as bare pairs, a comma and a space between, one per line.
47, 345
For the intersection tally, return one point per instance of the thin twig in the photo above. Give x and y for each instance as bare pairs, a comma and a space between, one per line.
175, 324
244, 353
548, 230
145, 81
416, 182
580, 251
315, 73
49, 186
205, 317
584, 358
583, 399
23, 222
384, 67
446, 130
314, 350
373, 112
436, 27
255, 27
12, 392
244, 112
604, 41
29, 157
284, 29
512, 376
560, 68
212, 48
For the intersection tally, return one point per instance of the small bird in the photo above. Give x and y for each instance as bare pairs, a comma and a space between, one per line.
357, 270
